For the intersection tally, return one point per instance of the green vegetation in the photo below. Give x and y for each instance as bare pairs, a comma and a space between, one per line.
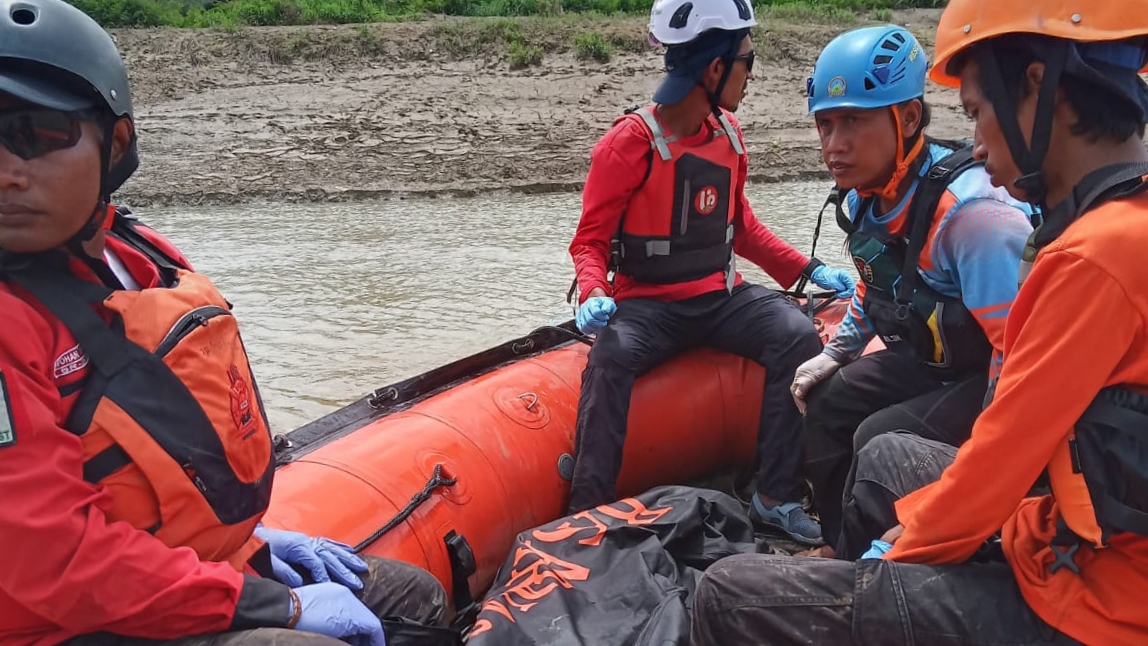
523, 55
592, 46
233, 13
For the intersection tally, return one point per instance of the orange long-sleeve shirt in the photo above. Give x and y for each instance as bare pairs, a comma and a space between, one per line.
1078, 324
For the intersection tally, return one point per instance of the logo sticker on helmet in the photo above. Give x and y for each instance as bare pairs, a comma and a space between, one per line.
836, 86
706, 200
913, 54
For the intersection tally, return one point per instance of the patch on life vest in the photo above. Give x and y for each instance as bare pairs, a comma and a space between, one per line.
863, 268
706, 200
73, 360
241, 410
836, 86
7, 423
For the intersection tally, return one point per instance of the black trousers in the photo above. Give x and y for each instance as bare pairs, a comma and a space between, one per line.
873, 395
752, 322
759, 599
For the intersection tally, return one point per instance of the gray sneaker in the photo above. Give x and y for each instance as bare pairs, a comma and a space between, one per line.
789, 517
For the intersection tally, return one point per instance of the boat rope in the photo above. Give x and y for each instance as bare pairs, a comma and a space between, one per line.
419, 498
573, 334
811, 307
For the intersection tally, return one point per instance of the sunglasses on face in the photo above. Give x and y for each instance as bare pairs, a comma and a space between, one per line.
31, 132
748, 58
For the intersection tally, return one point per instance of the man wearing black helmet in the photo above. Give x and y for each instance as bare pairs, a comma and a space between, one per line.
135, 457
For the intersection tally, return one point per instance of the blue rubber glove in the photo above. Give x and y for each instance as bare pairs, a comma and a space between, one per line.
877, 550
320, 556
594, 314
833, 278
332, 610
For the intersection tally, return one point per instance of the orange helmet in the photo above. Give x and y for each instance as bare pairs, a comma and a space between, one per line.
1085, 39
965, 22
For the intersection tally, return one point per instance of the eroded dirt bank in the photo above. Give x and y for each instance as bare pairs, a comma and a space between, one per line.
430, 107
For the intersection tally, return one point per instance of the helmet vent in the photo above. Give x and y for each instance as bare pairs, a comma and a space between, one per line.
890, 45
681, 16
743, 10
882, 59
869, 84
899, 37
23, 15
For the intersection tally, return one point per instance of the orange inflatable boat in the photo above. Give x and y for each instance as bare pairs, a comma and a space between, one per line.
482, 449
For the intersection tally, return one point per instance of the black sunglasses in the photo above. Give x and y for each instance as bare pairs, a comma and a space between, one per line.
31, 132
748, 58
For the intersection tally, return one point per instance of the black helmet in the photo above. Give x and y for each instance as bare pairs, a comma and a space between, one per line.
54, 55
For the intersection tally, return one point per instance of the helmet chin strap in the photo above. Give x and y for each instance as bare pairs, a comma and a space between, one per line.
102, 217
1030, 161
728, 60
904, 162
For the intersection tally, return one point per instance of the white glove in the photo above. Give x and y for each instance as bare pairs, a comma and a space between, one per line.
809, 374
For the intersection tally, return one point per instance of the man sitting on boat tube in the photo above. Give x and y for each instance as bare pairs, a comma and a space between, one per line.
937, 247
665, 207
135, 457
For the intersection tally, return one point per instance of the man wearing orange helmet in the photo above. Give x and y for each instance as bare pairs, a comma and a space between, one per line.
977, 559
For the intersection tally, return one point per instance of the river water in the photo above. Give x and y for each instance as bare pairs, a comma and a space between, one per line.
335, 300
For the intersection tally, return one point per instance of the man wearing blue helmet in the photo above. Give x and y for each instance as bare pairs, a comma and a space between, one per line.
937, 249
664, 208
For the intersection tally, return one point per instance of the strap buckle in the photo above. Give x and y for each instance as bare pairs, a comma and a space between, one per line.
1065, 557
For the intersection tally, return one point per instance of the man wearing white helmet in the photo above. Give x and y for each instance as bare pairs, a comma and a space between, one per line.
664, 208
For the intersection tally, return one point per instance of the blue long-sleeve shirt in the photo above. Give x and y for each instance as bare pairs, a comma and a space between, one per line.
973, 252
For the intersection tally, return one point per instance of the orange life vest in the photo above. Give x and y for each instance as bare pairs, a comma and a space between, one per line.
678, 227
1099, 474
170, 418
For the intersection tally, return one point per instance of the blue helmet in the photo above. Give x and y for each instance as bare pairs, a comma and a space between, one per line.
870, 67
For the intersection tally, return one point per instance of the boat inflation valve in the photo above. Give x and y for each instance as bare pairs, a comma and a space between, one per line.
566, 466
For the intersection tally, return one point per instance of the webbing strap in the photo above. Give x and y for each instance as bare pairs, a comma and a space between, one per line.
660, 143
923, 209
732, 134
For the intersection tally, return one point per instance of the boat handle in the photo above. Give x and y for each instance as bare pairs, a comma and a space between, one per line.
533, 400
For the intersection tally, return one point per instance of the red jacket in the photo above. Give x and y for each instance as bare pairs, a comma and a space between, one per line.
617, 167
64, 568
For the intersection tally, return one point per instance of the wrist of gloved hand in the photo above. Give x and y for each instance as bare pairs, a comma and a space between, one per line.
295, 609
594, 314
809, 374
811, 267
877, 549
333, 610
834, 278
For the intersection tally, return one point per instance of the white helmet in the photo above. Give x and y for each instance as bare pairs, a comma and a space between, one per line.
673, 22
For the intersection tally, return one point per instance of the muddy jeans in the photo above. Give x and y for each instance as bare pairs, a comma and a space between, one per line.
753, 599
876, 394
390, 589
